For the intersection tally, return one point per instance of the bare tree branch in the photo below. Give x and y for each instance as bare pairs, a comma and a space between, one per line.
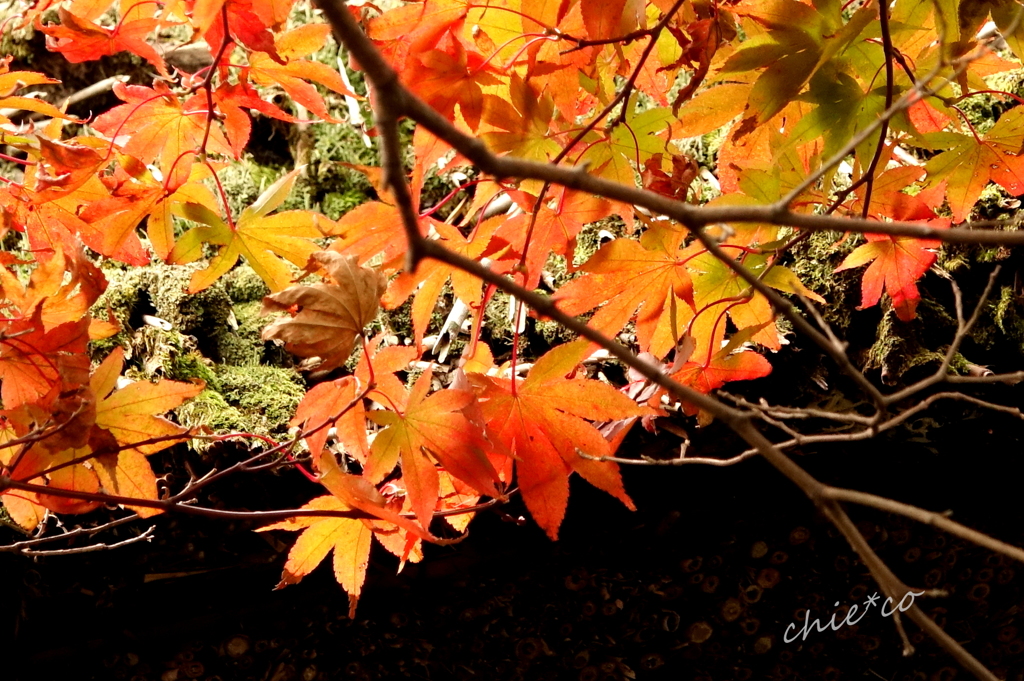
393, 100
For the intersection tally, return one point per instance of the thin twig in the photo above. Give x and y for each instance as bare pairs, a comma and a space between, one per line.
883, 131
963, 328
938, 520
147, 535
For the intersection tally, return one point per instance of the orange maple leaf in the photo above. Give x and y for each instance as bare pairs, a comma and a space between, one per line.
555, 228
431, 428
349, 538
430, 276
543, 422
321, 405
34, 360
648, 278
153, 123
293, 75
131, 417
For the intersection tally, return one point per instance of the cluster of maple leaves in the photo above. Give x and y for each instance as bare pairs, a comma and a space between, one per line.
606, 85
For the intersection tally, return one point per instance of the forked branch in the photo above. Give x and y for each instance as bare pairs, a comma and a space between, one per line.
391, 101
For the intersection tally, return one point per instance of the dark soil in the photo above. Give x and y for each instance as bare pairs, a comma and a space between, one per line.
700, 583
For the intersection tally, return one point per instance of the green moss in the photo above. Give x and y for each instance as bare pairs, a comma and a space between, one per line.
209, 409
17, 43
244, 181
814, 261
900, 347
187, 366
123, 295
983, 110
1004, 312
243, 285
160, 290
223, 330
497, 322
190, 313
995, 203
267, 396
336, 204
242, 344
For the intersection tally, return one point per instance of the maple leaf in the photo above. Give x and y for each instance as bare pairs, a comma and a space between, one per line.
606, 18
648, 279
373, 228
378, 365
431, 276
677, 185
554, 229
448, 76
520, 124
721, 292
244, 26
431, 428
970, 163
65, 288
889, 199
130, 414
57, 471
711, 109
12, 81
357, 493
722, 367
273, 13
34, 361
349, 538
321, 405
543, 422
263, 239
72, 478
896, 265
417, 27
137, 196
156, 124
330, 316
455, 495
23, 507
231, 98
81, 40
128, 419
292, 75
123, 418
65, 166
57, 223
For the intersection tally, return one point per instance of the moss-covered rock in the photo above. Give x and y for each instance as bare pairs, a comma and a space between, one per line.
210, 410
814, 261
242, 344
266, 396
253, 399
206, 311
222, 320
896, 349
160, 290
243, 285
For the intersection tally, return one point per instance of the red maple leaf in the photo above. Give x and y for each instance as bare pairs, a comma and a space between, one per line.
80, 40
896, 265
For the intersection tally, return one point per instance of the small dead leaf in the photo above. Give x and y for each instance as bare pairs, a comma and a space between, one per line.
329, 316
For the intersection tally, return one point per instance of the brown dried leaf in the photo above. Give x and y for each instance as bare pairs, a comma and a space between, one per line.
329, 316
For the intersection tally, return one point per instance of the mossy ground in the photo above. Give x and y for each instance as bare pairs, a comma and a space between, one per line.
214, 336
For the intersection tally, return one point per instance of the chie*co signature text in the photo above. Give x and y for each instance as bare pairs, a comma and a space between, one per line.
849, 618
